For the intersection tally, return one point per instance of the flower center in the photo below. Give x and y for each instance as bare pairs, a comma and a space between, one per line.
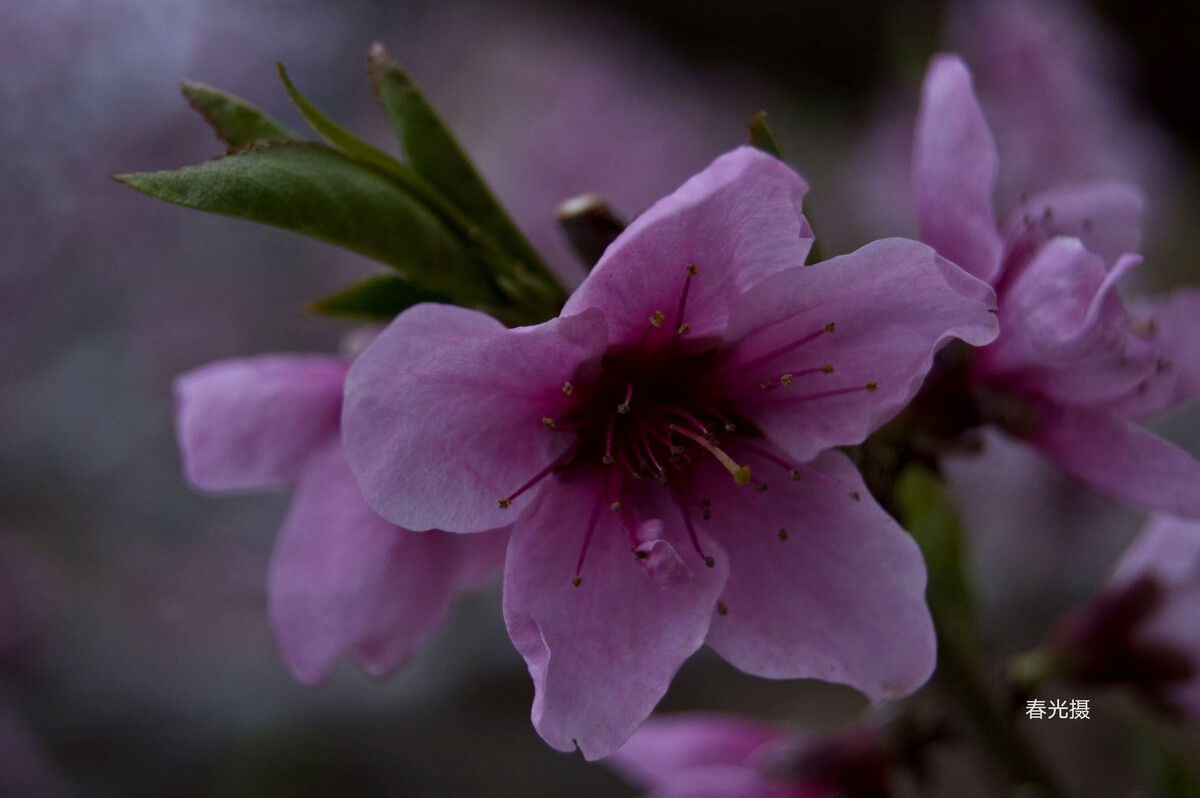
657, 408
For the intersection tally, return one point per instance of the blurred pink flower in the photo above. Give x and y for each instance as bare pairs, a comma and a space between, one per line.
1143, 630
342, 580
699, 755
1081, 365
699, 364
1168, 551
1055, 86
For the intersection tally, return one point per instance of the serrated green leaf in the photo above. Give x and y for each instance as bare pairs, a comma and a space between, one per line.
311, 189
432, 151
928, 513
761, 136
237, 122
381, 297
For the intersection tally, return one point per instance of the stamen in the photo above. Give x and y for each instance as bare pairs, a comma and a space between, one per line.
587, 539
624, 406
741, 473
568, 388
678, 324
608, 458
870, 387
507, 501
700, 426
789, 346
548, 422
687, 522
656, 320
650, 450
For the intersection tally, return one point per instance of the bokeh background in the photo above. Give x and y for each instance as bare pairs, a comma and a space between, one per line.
135, 654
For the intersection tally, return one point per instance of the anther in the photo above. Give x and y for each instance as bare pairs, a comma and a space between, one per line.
615, 507
786, 379
656, 318
827, 368
761, 487
505, 504
731, 427
783, 534
795, 475
709, 561
767, 385
706, 514
575, 580
854, 495
830, 327
624, 406
722, 609
684, 329
568, 388
691, 270
607, 459
705, 501
549, 422
871, 387
641, 555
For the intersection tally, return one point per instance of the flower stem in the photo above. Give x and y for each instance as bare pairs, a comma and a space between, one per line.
960, 679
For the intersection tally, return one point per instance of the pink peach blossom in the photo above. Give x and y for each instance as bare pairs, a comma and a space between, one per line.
342, 580
665, 450
1080, 365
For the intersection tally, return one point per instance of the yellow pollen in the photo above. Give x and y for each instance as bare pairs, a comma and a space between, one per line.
692, 269
505, 504
549, 422
721, 608
783, 534
827, 368
576, 580
684, 329
872, 387
568, 388
829, 327
786, 379
615, 506
657, 318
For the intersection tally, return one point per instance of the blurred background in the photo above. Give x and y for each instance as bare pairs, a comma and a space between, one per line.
135, 654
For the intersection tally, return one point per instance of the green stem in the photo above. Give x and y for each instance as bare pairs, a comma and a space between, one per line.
959, 677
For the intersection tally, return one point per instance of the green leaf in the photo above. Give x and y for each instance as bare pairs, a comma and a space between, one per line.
761, 136
311, 189
338, 136
237, 122
432, 151
381, 297
928, 513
